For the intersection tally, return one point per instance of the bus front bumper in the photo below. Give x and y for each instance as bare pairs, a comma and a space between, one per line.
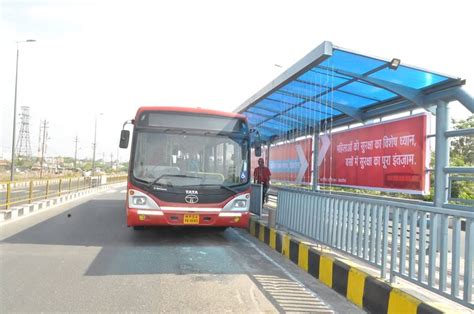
141, 217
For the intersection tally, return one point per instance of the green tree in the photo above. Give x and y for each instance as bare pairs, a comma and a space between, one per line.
462, 155
124, 166
24, 163
462, 148
87, 166
68, 160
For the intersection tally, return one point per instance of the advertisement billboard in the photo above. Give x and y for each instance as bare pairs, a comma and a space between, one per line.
291, 162
387, 156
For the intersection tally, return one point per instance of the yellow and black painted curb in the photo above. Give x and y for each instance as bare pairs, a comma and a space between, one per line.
360, 288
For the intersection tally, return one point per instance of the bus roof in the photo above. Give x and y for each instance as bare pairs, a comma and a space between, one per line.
191, 110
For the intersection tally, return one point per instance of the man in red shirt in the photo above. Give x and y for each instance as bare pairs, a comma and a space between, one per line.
261, 175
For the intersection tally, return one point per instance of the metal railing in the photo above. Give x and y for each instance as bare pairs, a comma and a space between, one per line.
459, 176
27, 192
432, 247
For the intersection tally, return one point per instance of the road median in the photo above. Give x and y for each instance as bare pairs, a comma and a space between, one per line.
27, 209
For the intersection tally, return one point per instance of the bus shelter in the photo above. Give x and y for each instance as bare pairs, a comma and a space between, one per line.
333, 87
322, 123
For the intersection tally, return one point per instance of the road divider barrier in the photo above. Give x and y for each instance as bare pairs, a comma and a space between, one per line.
428, 246
18, 193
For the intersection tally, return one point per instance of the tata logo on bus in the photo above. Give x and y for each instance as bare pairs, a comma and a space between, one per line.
191, 199
191, 192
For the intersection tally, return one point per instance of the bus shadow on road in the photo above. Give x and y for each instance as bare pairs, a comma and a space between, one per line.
103, 223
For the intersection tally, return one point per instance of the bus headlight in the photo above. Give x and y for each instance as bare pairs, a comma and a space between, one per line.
239, 203
139, 200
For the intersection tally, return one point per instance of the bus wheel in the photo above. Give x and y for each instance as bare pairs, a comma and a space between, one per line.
138, 228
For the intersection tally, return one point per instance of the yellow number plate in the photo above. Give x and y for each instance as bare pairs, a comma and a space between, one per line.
191, 219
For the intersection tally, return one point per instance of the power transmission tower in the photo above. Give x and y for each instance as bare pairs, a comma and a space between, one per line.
23, 145
43, 146
75, 152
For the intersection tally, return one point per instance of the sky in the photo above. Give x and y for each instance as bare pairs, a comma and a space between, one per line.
103, 59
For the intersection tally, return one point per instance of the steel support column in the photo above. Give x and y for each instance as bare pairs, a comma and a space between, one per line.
315, 161
267, 162
441, 154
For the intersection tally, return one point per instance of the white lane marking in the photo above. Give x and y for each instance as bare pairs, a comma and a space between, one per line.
123, 191
110, 192
301, 285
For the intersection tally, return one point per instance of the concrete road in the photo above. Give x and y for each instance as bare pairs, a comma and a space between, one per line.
91, 262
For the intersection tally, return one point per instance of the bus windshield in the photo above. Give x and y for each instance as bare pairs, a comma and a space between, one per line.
190, 160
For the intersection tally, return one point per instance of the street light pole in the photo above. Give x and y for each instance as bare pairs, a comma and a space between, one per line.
12, 164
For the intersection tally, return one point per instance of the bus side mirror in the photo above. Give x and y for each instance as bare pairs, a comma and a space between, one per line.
124, 137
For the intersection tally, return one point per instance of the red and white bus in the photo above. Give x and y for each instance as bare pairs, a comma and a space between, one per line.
188, 167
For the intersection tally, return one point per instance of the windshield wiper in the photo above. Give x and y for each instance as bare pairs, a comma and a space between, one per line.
141, 180
154, 182
170, 175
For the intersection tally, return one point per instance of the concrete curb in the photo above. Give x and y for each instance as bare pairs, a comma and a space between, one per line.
3, 186
27, 209
362, 289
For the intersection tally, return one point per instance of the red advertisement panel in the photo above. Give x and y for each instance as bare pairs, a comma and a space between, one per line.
387, 156
291, 162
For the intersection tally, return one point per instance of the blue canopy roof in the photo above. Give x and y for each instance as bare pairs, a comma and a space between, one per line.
331, 83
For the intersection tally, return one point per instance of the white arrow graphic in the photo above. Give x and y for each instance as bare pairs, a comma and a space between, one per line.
303, 163
325, 143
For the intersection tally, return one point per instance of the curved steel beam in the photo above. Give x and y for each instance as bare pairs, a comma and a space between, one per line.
354, 113
411, 94
464, 98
